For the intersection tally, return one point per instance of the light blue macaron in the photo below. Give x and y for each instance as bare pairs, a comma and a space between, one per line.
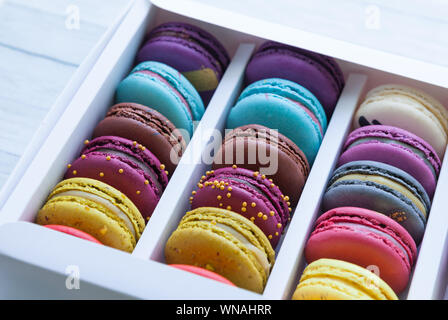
165, 90
286, 106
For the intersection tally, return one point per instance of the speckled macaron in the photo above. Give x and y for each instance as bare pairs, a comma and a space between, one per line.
248, 193
125, 165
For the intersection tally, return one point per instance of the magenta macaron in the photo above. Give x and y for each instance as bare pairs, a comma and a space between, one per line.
396, 147
366, 238
125, 165
248, 193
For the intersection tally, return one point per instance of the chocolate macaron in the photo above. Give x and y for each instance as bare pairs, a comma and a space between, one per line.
125, 165
147, 126
267, 151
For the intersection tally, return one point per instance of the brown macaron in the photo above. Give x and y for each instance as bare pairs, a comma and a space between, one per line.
259, 148
147, 126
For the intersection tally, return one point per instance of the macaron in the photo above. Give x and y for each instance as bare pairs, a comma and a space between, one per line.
406, 108
73, 232
318, 73
125, 165
196, 53
95, 208
383, 188
331, 279
396, 147
248, 193
286, 106
147, 126
164, 89
259, 148
203, 273
365, 238
224, 242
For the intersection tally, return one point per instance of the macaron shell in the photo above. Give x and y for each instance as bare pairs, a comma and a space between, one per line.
327, 279
131, 181
271, 110
296, 67
406, 113
341, 234
73, 232
287, 164
395, 155
85, 216
202, 272
148, 127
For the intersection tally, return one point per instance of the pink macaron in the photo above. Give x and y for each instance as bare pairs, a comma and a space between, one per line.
202, 272
248, 193
73, 232
396, 147
366, 238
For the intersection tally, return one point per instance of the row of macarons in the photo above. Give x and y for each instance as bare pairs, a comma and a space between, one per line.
378, 199
137, 146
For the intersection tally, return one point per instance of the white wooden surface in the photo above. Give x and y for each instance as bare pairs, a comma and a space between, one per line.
42, 43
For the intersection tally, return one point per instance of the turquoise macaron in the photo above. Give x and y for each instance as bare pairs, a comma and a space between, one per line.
286, 106
164, 89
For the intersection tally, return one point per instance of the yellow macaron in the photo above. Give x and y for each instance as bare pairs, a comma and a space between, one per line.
95, 208
330, 279
224, 242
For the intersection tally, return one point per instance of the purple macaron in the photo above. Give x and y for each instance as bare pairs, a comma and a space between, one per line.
197, 54
318, 73
248, 193
396, 147
125, 165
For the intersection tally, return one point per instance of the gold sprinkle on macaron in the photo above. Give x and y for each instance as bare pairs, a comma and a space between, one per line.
289, 209
234, 166
271, 213
256, 174
243, 209
263, 176
222, 187
270, 236
69, 166
75, 172
276, 234
207, 173
260, 214
265, 217
138, 192
200, 185
120, 170
193, 192
166, 171
272, 185
83, 156
229, 195
108, 158
203, 177
252, 219
162, 167
229, 189
146, 182
244, 204
286, 198
219, 197
86, 141
220, 204
134, 143
191, 198
279, 225
229, 208
101, 174
253, 204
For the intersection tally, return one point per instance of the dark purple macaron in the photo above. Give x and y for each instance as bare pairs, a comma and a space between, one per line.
125, 165
197, 54
248, 193
318, 73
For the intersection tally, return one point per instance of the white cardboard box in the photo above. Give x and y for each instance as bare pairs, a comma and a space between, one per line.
38, 263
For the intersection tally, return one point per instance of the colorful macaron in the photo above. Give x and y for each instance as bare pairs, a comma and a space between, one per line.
267, 151
285, 106
365, 238
248, 193
224, 242
318, 73
409, 109
147, 126
95, 208
193, 51
203, 273
396, 147
164, 89
330, 279
73, 232
125, 165
382, 188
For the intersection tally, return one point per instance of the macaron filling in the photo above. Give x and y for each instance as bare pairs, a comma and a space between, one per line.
260, 255
394, 185
416, 151
103, 202
311, 114
165, 82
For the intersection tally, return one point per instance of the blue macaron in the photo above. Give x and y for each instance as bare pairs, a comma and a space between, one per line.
162, 88
383, 188
286, 106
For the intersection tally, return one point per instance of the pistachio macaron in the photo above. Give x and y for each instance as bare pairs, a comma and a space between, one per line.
224, 242
95, 208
